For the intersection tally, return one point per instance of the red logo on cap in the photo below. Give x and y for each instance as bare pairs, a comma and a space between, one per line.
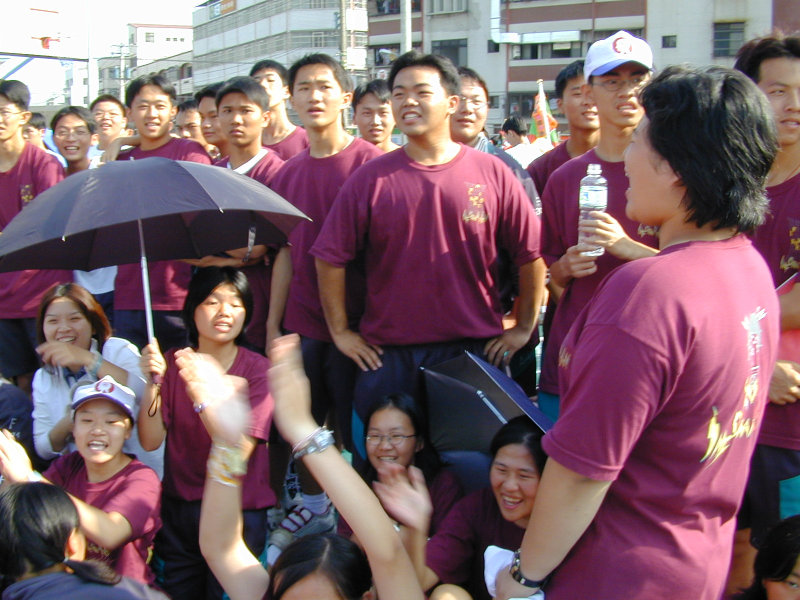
622, 45
104, 387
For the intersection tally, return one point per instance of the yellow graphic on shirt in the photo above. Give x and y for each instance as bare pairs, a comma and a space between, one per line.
563, 357
789, 261
743, 424
476, 211
26, 192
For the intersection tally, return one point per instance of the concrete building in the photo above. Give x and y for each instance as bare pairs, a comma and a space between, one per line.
176, 69
231, 35
513, 43
150, 42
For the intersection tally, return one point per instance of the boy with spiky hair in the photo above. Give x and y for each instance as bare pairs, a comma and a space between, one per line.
320, 91
73, 130
25, 172
281, 135
150, 101
372, 114
109, 114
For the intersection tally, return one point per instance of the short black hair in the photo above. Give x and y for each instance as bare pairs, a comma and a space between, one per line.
571, 71
205, 281
210, 91
271, 65
107, 98
247, 86
521, 430
37, 121
16, 92
515, 124
377, 87
135, 86
79, 111
753, 53
776, 557
447, 70
190, 104
339, 74
467, 73
716, 130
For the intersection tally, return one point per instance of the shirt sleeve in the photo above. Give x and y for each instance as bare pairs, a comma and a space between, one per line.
342, 234
48, 173
137, 499
450, 551
445, 492
47, 401
126, 356
554, 245
519, 229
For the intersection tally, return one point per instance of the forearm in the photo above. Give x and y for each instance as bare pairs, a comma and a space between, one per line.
331, 281
107, 530
628, 249
531, 293
559, 272
150, 423
414, 541
279, 288
790, 309
109, 369
59, 434
566, 503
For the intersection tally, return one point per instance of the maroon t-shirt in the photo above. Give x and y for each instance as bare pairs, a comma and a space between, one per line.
311, 184
544, 166
664, 378
430, 237
134, 492
34, 172
455, 553
560, 215
259, 275
169, 279
292, 144
188, 442
778, 240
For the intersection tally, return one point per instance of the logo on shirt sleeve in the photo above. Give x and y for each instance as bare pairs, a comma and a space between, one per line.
476, 209
26, 192
744, 423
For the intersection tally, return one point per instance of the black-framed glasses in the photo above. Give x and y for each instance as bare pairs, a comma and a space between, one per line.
395, 439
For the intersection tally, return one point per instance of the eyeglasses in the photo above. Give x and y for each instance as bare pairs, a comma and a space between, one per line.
105, 114
615, 84
64, 133
395, 439
473, 102
5, 113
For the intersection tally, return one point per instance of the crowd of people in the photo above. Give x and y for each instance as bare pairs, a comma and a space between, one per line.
200, 463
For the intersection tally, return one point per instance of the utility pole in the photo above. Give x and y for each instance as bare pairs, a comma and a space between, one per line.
405, 26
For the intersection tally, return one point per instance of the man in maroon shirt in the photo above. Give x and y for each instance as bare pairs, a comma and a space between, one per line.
151, 107
25, 172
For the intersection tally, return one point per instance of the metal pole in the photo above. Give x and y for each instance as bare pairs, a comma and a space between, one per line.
405, 26
343, 32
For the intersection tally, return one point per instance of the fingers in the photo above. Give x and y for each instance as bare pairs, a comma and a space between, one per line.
498, 352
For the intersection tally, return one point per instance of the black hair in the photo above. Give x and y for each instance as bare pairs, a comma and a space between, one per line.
339, 74
87, 304
135, 86
521, 430
753, 53
271, 65
205, 281
107, 98
247, 86
15, 92
210, 91
377, 87
716, 130
447, 70
467, 73
331, 555
776, 558
36, 521
37, 121
427, 459
81, 112
571, 71
186, 105
515, 124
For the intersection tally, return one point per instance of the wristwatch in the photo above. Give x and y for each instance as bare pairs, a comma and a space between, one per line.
516, 575
317, 442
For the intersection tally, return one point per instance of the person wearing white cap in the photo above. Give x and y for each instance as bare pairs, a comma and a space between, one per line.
117, 497
616, 69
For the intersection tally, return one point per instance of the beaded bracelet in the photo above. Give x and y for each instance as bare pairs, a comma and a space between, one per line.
225, 464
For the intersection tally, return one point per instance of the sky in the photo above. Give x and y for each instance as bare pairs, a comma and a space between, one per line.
80, 25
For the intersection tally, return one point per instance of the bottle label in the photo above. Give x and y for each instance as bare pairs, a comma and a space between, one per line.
593, 197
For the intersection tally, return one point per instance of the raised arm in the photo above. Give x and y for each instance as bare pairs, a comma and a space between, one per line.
150, 423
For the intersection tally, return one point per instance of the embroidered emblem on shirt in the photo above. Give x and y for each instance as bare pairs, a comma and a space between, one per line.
476, 211
26, 192
790, 261
563, 358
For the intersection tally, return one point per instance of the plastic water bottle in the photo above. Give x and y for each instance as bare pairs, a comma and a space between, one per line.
593, 196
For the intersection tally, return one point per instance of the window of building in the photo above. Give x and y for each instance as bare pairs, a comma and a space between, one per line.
446, 6
317, 39
728, 38
494, 101
669, 41
455, 50
150, 37
492, 47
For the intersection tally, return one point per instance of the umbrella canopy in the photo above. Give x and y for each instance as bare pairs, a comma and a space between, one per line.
186, 210
469, 400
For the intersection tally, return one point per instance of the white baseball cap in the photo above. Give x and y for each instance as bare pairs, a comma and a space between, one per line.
108, 389
615, 50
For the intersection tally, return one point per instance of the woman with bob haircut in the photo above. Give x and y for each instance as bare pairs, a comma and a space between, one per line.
216, 311
664, 375
323, 567
42, 551
75, 343
777, 564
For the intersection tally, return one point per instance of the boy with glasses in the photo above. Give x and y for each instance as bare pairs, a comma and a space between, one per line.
616, 68
25, 172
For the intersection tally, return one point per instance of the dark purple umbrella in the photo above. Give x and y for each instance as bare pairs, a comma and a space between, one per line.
150, 209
